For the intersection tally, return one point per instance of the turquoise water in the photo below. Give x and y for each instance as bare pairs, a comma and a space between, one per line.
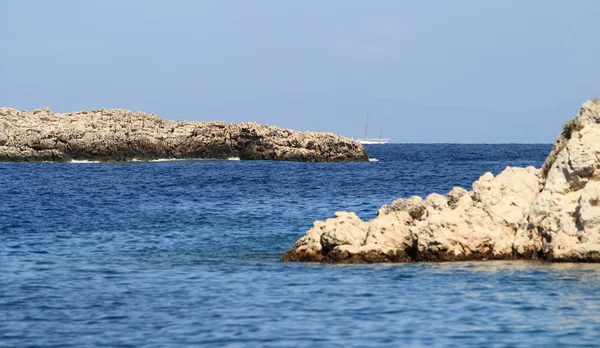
188, 253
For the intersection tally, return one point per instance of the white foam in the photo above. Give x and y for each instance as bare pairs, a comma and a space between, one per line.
373, 160
167, 160
190, 159
83, 161
163, 160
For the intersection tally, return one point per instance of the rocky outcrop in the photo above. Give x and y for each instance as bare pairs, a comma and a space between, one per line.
563, 223
552, 213
121, 135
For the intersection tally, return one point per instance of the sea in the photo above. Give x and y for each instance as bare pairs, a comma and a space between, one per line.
188, 254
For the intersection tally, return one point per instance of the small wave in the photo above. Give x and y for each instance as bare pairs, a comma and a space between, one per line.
168, 159
183, 159
163, 160
192, 159
373, 160
83, 161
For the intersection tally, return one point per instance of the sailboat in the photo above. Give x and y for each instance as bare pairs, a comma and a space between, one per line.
367, 140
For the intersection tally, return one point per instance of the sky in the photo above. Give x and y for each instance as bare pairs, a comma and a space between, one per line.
460, 71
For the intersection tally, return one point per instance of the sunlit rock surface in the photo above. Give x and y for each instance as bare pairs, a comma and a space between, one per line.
121, 135
552, 213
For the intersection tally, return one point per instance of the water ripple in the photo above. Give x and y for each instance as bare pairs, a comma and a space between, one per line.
187, 254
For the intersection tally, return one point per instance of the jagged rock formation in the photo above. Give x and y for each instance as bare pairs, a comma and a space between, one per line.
552, 213
121, 135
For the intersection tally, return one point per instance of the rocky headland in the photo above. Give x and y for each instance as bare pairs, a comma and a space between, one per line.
551, 213
122, 135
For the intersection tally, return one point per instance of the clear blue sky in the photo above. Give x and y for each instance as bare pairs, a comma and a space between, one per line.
440, 71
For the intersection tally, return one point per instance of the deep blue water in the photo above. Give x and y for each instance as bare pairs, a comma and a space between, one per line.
170, 254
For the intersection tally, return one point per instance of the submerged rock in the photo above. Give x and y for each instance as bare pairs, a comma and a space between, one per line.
121, 135
552, 213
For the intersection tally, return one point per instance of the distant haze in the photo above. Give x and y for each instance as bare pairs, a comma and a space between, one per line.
439, 71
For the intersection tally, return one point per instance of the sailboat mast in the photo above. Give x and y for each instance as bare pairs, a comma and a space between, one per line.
381, 129
367, 123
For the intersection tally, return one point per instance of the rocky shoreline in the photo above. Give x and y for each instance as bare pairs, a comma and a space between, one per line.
551, 213
121, 135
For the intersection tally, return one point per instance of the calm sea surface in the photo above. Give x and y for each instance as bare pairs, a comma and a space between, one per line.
187, 253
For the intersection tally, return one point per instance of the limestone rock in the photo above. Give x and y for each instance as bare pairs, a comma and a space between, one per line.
463, 226
455, 195
121, 135
562, 220
523, 213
